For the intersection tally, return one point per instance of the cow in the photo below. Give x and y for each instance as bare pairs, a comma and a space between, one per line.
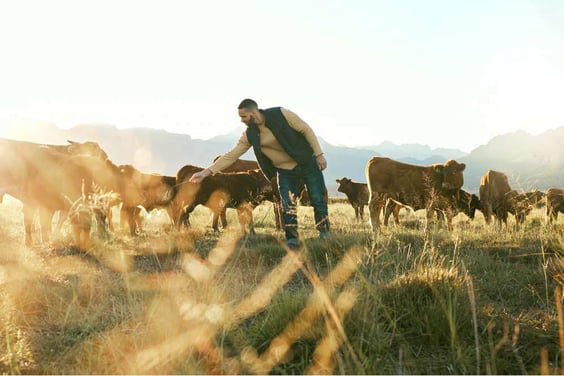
240, 190
418, 187
357, 194
241, 165
151, 191
554, 203
45, 177
185, 194
520, 204
494, 185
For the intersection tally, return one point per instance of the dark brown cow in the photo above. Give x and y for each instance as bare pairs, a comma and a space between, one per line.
521, 204
241, 165
554, 203
418, 187
46, 178
494, 185
357, 194
240, 190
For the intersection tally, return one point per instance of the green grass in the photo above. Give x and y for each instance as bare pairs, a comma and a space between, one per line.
477, 300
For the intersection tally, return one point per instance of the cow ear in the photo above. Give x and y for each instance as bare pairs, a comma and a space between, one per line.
439, 169
462, 167
338, 181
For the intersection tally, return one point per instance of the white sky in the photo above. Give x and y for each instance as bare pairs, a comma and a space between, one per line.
446, 73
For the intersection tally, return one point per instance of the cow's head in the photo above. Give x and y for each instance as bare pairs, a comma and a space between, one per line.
344, 185
262, 187
473, 205
451, 174
89, 148
536, 198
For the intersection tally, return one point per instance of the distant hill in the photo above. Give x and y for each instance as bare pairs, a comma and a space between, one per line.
414, 152
529, 161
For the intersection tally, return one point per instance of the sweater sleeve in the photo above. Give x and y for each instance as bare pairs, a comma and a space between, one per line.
301, 126
232, 155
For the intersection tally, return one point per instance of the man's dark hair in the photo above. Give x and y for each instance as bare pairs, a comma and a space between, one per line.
248, 104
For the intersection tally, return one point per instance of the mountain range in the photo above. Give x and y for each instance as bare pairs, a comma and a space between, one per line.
529, 161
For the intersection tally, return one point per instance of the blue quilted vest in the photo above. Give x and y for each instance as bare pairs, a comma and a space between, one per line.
292, 141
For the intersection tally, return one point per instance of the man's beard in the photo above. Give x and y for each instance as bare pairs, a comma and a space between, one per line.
252, 122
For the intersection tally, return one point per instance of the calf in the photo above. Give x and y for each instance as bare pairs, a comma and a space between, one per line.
520, 204
240, 190
357, 194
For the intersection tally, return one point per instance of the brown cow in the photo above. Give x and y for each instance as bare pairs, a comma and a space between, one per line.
241, 165
46, 178
520, 204
151, 191
554, 203
185, 195
418, 187
357, 194
493, 187
240, 190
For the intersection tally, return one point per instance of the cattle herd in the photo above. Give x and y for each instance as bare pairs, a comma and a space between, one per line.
79, 181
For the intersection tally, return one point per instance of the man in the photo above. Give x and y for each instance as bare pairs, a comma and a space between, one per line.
286, 148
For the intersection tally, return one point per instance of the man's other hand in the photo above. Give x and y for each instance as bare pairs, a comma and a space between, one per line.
321, 162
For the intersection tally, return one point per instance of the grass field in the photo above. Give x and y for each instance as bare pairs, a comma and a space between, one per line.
474, 301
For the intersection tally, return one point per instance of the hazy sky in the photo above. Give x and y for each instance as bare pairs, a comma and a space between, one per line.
450, 73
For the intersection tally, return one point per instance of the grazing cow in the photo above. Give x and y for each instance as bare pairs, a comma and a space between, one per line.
460, 202
521, 204
418, 187
494, 185
240, 190
46, 178
151, 191
554, 203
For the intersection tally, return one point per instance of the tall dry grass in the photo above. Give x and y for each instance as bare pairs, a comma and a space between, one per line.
475, 300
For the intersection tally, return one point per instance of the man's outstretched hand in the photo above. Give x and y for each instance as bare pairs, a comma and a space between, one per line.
199, 176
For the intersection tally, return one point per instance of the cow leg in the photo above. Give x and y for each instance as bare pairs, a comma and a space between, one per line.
184, 218
356, 212
388, 210
361, 212
28, 214
63, 215
215, 220
374, 208
245, 215
223, 217
45, 219
488, 212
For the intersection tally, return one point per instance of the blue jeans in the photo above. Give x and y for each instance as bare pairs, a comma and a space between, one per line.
289, 188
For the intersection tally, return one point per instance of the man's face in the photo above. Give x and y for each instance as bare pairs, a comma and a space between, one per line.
248, 117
